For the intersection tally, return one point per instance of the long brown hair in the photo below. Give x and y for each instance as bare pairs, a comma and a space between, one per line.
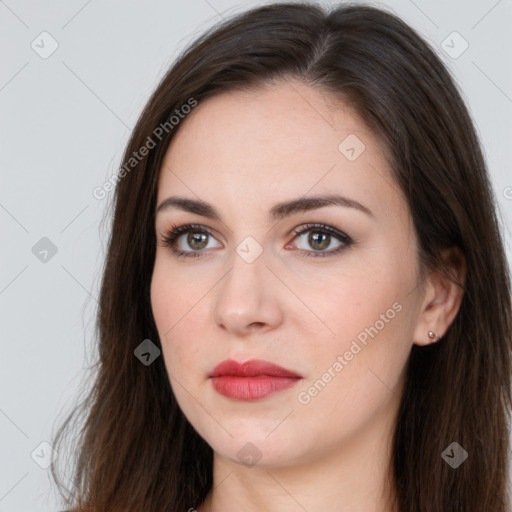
136, 451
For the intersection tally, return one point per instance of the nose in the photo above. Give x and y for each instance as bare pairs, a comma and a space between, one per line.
247, 299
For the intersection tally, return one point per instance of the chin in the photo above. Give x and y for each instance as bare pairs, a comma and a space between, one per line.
252, 447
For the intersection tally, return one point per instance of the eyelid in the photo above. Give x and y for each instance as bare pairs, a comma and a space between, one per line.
321, 227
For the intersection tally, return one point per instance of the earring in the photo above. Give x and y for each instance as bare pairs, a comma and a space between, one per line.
432, 335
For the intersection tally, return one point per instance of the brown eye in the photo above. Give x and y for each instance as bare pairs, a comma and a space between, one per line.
319, 241
197, 241
197, 238
320, 238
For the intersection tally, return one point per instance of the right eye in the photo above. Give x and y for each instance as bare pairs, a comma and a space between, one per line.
197, 239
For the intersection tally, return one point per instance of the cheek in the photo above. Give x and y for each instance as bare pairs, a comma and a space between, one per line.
370, 319
176, 305
370, 342
175, 295
354, 376
364, 296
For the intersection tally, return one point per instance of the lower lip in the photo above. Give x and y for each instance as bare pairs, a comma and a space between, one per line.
251, 388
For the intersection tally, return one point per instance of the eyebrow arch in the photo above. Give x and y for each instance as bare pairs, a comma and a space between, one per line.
277, 212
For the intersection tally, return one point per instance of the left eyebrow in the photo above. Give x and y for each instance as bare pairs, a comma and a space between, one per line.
302, 204
277, 212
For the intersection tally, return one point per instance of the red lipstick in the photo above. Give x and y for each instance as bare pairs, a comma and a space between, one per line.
251, 380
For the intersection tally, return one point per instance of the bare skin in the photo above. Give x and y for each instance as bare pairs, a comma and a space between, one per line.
244, 152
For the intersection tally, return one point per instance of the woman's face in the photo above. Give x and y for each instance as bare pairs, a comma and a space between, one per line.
340, 315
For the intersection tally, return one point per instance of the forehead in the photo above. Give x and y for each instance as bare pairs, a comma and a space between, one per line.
254, 147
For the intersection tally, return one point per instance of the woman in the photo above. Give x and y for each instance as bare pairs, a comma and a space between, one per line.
305, 303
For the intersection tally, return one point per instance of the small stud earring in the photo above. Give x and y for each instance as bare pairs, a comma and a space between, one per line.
432, 335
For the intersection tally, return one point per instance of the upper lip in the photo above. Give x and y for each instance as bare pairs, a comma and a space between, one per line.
251, 368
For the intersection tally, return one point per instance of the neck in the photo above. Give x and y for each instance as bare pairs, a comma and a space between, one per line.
352, 477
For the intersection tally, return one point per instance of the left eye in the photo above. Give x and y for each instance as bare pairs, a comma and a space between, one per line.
320, 238
318, 241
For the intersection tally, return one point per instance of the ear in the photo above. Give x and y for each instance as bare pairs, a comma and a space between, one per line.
442, 297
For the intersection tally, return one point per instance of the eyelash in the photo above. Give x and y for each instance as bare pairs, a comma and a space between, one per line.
175, 231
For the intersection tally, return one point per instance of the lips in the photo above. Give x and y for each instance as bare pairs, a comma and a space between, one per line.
252, 380
252, 368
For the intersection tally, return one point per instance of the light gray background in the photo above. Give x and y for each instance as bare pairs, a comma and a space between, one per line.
64, 123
